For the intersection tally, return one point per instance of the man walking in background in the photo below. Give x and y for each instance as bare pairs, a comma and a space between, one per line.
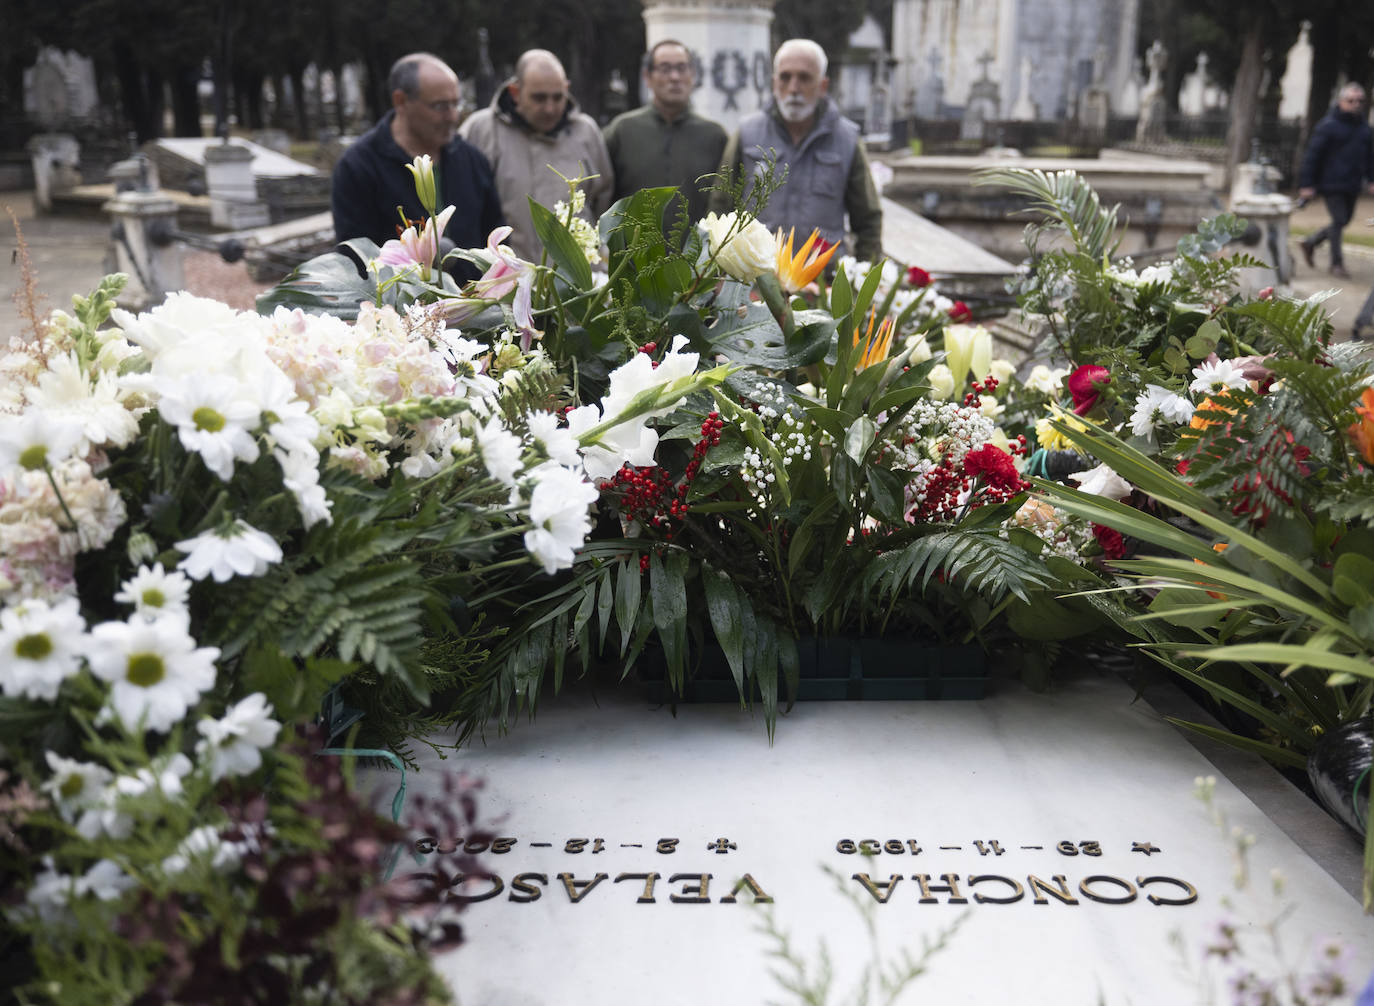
1339, 162
665, 142
371, 181
532, 132
827, 169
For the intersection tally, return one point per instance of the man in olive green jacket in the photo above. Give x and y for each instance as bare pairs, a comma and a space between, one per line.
827, 169
531, 133
665, 142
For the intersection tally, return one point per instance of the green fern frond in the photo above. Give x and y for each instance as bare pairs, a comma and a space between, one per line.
976, 561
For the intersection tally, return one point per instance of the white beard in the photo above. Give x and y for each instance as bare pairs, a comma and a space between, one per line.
797, 109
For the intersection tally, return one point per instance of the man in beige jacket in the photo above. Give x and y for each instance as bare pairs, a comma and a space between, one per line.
531, 133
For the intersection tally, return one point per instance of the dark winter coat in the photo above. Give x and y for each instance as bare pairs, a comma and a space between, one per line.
371, 180
1340, 155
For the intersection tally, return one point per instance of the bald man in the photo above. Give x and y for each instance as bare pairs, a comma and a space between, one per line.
371, 180
531, 128
828, 182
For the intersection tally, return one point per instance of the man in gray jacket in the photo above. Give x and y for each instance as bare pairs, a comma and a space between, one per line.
531, 133
827, 168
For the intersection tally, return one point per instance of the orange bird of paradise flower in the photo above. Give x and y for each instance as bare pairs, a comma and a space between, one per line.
795, 271
1362, 432
876, 346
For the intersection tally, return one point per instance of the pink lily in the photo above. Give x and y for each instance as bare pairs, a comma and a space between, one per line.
417, 248
506, 268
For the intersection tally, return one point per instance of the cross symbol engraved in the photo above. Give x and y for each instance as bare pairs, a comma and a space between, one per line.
721, 846
1144, 847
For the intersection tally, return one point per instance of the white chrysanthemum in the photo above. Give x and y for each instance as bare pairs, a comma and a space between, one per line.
106, 880
300, 474
179, 318
76, 786
238, 550
233, 744
204, 844
500, 449
93, 406
40, 647
1102, 481
1213, 378
214, 418
165, 776
557, 440
1158, 404
154, 592
36, 440
558, 511
154, 667
48, 894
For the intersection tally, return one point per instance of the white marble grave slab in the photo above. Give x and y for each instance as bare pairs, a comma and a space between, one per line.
1082, 765
266, 163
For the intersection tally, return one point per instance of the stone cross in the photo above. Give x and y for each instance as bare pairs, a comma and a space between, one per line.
985, 59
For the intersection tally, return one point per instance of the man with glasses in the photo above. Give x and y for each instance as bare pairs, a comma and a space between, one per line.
532, 133
665, 142
1339, 161
371, 180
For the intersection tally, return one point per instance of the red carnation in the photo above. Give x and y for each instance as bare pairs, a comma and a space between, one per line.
960, 312
1113, 545
917, 277
1086, 384
995, 466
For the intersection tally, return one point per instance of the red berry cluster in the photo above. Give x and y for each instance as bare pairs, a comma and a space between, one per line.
649, 348
652, 497
944, 483
988, 384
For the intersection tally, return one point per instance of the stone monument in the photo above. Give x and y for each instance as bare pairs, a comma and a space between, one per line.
1149, 127
730, 47
234, 203
984, 104
1057, 37
1024, 109
144, 219
1296, 83
1094, 101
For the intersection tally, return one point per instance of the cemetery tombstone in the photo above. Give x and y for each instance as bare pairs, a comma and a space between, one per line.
983, 107
1153, 105
1050, 844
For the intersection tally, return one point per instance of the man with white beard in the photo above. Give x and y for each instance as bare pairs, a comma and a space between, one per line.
827, 168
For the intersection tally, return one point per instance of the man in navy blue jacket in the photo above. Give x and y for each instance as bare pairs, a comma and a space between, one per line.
1339, 161
371, 181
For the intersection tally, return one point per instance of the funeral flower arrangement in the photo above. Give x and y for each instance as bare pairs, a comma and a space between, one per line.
211, 522
835, 477
1225, 449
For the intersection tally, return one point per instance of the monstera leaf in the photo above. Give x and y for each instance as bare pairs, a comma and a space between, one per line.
327, 284
745, 332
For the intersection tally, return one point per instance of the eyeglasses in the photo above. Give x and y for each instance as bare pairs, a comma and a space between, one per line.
440, 107
668, 69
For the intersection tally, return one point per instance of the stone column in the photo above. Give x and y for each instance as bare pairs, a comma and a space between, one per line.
141, 229
730, 46
234, 201
1253, 198
55, 158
